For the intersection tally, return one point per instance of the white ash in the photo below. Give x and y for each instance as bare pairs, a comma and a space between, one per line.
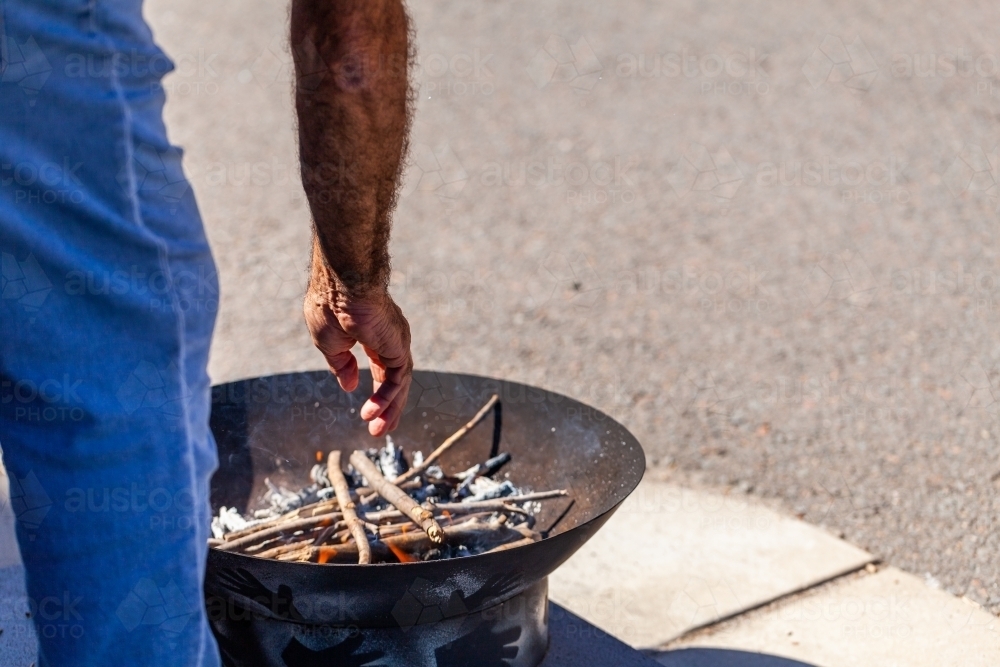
471, 472
474, 486
320, 476
390, 460
229, 521
484, 488
281, 500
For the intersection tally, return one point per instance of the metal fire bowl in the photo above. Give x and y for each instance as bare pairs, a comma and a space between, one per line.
278, 427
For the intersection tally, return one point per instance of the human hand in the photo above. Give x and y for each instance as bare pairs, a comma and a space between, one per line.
338, 319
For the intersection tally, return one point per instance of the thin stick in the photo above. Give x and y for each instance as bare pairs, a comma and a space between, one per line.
397, 497
311, 510
325, 535
302, 553
455, 437
495, 505
299, 536
406, 542
505, 500
283, 549
274, 531
354, 524
365, 498
387, 530
524, 541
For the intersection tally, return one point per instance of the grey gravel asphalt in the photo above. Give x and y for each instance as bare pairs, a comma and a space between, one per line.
762, 236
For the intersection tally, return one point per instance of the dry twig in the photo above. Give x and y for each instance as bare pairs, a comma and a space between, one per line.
276, 530
397, 497
354, 524
444, 446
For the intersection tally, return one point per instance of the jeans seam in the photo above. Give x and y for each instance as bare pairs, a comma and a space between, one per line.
179, 318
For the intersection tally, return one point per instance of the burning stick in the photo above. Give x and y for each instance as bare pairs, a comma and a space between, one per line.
354, 524
455, 437
397, 497
402, 546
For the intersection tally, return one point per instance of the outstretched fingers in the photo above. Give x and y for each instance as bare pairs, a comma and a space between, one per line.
385, 406
345, 367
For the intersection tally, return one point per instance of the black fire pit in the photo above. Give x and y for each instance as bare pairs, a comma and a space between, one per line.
483, 610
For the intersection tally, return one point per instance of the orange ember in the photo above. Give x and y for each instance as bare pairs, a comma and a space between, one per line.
400, 554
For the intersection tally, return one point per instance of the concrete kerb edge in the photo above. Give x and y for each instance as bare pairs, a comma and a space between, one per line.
784, 597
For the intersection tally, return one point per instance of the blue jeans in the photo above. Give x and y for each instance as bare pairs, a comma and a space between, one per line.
109, 296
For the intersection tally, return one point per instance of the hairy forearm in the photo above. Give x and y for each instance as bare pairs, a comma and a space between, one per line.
353, 101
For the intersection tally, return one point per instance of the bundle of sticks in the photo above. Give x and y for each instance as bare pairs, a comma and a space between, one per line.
387, 510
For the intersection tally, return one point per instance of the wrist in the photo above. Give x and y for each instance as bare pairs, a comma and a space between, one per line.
343, 286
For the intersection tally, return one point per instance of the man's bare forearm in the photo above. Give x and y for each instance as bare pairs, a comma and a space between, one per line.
353, 101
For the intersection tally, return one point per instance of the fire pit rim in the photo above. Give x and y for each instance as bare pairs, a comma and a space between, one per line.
600, 516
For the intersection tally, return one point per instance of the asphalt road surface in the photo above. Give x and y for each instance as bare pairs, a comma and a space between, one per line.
764, 238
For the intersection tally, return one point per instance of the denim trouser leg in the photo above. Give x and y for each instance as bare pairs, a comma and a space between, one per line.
108, 302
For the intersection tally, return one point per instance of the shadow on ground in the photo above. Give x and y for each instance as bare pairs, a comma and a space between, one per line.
718, 657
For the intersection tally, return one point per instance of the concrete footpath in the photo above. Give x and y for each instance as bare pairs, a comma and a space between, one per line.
696, 579
702, 580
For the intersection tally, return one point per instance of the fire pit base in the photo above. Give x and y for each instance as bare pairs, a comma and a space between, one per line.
513, 633
427, 633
